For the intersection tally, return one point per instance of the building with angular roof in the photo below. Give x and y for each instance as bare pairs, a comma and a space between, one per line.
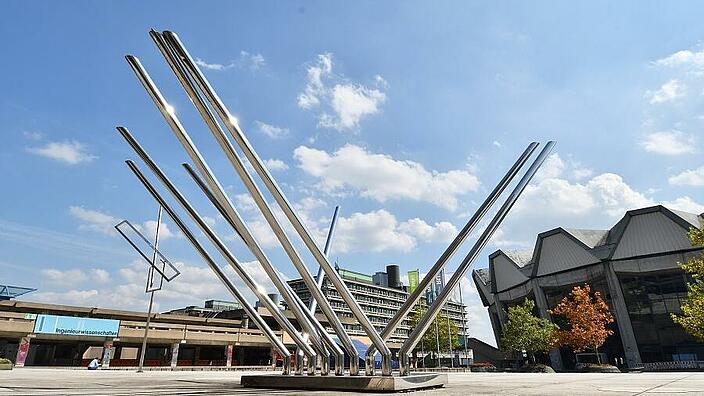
633, 265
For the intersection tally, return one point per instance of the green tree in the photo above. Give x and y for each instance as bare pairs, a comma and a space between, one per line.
523, 331
692, 317
429, 341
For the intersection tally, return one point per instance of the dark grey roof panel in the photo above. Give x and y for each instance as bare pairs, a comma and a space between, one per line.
691, 218
651, 233
506, 273
558, 253
520, 257
591, 238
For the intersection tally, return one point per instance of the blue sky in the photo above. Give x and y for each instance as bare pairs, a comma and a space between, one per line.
405, 114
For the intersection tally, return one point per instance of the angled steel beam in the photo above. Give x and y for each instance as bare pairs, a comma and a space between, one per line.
472, 223
327, 339
251, 312
220, 136
230, 213
319, 278
437, 305
232, 126
258, 290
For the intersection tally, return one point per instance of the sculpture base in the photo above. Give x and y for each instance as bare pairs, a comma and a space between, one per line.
361, 383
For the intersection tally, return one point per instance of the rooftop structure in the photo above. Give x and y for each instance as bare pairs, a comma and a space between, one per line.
7, 292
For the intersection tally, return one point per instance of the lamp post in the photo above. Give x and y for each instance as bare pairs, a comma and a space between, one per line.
150, 285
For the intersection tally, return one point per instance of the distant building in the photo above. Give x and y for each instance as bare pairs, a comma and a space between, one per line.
379, 303
210, 308
633, 265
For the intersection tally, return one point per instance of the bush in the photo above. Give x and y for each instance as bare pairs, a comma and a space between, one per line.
482, 367
536, 368
5, 361
596, 368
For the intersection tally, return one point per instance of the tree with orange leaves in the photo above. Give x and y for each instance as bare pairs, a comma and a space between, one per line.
587, 317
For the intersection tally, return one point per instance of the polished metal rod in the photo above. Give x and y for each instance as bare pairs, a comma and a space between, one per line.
321, 275
258, 290
251, 312
230, 214
329, 342
211, 121
426, 320
472, 223
232, 126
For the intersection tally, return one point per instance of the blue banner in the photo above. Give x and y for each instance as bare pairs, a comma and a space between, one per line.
73, 326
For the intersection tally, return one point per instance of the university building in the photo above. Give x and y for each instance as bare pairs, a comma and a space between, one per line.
633, 265
380, 297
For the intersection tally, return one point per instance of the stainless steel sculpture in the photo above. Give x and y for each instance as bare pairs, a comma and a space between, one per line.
210, 120
258, 290
314, 344
451, 249
427, 319
230, 123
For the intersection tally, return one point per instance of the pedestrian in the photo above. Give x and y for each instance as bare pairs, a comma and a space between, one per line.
93, 365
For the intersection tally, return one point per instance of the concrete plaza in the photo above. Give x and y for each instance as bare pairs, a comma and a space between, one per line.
31, 381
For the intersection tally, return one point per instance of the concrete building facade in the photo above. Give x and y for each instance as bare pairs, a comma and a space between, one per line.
633, 265
380, 303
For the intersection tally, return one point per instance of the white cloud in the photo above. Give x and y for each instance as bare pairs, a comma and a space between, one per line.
69, 152
375, 231
682, 58
497, 143
247, 60
271, 131
690, 177
685, 204
582, 173
94, 220
668, 92
126, 289
672, 142
439, 232
275, 164
100, 275
67, 277
344, 103
213, 66
252, 61
381, 177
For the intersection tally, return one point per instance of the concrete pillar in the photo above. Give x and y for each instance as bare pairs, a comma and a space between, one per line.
174, 354
228, 354
542, 303
22, 352
495, 325
620, 311
107, 354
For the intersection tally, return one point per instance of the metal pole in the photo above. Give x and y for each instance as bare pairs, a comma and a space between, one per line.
259, 291
231, 124
452, 248
437, 339
464, 327
150, 282
424, 322
449, 337
319, 278
230, 213
251, 312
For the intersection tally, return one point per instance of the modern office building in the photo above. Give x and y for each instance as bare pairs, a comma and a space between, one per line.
633, 265
379, 302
